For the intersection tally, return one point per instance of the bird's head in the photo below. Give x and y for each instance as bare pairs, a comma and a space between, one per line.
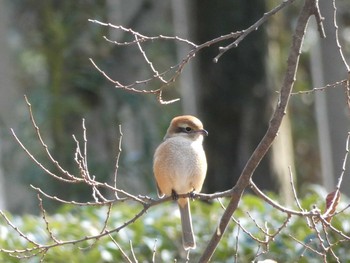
186, 126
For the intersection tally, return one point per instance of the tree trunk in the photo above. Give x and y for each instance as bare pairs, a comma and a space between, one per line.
183, 25
10, 107
233, 95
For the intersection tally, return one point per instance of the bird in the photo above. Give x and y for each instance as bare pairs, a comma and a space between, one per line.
180, 167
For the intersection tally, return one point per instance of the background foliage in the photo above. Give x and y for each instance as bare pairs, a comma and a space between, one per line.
158, 233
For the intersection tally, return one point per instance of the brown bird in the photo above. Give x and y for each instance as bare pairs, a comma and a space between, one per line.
180, 167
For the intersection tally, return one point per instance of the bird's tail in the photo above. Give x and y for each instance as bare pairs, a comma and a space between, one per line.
188, 240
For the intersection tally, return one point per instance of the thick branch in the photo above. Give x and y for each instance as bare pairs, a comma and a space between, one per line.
289, 79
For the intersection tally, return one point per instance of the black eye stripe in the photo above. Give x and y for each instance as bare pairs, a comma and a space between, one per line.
185, 129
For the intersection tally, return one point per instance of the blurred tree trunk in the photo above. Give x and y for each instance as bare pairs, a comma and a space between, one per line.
183, 25
55, 34
282, 150
4, 82
331, 109
11, 190
234, 99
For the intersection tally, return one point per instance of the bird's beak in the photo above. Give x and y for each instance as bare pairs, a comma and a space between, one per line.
203, 132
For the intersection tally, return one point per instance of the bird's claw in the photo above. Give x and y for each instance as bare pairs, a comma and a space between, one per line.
192, 195
174, 195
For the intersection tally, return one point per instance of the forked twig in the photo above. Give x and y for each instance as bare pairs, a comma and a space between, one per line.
179, 67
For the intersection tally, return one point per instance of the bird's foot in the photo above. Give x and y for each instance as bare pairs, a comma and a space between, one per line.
174, 195
192, 195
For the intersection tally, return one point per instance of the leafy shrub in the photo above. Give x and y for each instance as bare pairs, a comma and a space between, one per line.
158, 233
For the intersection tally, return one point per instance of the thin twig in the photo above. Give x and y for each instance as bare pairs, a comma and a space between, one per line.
127, 87
178, 68
306, 246
44, 145
140, 37
337, 37
125, 256
8, 221
294, 189
237, 239
331, 85
331, 207
48, 228
133, 252
150, 64
154, 251
85, 158
252, 28
119, 151
41, 166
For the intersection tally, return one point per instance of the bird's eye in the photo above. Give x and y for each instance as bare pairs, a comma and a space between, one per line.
188, 129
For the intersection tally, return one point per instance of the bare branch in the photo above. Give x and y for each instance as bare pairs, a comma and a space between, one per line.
48, 229
41, 166
117, 159
156, 73
17, 230
294, 190
252, 28
178, 68
332, 85
306, 246
133, 252
55, 162
140, 37
154, 251
124, 86
125, 256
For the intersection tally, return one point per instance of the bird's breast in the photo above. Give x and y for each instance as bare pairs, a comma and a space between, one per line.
180, 164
